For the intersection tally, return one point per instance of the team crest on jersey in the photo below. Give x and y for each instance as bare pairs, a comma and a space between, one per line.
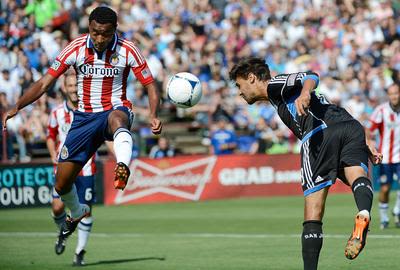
65, 128
64, 152
114, 59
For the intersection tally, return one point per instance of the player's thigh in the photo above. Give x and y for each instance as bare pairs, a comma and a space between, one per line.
66, 174
319, 161
122, 117
85, 186
314, 204
354, 151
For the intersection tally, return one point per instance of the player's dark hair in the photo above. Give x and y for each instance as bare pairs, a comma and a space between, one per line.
103, 15
254, 65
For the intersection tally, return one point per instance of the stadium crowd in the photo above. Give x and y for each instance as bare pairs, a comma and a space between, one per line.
353, 45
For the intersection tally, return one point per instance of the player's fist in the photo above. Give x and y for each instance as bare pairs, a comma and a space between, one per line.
302, 103
9, 114
374, 155
156, 126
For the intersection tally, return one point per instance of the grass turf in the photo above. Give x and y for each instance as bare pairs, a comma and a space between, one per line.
259, 233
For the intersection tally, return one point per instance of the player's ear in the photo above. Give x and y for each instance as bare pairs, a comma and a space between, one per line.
252, 77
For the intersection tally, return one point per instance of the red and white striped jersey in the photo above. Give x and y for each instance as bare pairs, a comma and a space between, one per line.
59, 124
102, 77
387, 122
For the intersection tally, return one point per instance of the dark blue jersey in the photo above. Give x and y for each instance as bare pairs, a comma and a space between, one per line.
284, 89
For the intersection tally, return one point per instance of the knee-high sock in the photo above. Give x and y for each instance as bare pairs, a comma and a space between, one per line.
59, 220
311, 241
363, 194
123, 145
71, 201
84, 228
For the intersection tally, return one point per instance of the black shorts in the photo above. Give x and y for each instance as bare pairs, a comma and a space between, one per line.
327, 152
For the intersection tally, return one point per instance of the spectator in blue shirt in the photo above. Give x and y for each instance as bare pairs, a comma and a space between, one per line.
223, 140
162, 149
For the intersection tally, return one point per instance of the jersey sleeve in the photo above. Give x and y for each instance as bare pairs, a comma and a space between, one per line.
286, 87
376, 119
139, 66
64, 60
52, 127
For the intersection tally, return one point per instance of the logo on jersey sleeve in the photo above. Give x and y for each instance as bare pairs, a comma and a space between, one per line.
146, 73
56, 64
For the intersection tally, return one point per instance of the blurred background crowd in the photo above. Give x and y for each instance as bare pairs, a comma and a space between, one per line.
353, 45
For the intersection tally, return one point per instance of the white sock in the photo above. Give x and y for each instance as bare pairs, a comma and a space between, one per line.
396, 209
72, 202
84, 228
58, 220
383, 211
123, 146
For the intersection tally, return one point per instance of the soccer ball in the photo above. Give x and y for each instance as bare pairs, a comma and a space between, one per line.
184, 90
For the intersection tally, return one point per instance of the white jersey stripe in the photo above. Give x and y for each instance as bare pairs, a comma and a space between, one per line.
71, 47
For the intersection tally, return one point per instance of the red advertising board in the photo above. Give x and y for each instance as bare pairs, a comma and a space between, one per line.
193, 178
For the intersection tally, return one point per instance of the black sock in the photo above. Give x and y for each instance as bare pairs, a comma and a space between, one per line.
363, 194
311, 241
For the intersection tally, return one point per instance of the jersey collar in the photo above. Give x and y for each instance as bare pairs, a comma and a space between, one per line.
66, 107
111, 46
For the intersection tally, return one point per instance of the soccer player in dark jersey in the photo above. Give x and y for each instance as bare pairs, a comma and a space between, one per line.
333, 146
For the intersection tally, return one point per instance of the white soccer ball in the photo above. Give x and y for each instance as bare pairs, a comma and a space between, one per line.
184, 90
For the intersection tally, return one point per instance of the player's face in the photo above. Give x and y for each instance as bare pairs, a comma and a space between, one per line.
101, 34
247, 88
71, 89
394, 95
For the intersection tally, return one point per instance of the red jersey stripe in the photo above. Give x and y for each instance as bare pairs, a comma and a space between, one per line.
87, 81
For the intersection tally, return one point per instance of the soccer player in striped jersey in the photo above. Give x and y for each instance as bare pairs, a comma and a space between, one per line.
102, 62
59, 123
333, 146
386, 120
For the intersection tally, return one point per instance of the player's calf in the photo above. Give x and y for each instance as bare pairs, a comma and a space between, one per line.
311, 240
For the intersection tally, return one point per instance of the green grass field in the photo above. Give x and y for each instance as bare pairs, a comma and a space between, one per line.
230, 234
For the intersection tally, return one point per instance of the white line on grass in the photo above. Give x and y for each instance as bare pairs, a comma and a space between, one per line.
190, 235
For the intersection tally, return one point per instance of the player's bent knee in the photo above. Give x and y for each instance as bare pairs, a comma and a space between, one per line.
57, 207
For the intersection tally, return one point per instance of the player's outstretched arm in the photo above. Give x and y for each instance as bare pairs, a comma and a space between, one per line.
34, 92
154, 102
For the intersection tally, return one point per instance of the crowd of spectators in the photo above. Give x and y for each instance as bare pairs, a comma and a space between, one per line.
353, 44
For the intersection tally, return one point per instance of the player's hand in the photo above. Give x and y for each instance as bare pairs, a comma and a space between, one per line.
374, 155
156, 126
302, 103
9, 114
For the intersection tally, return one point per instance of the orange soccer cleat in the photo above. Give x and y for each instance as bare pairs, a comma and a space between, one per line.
122, 173
356, 242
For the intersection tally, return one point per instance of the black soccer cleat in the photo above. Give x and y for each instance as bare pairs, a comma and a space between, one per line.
396, 220
78, 258
69, 226
59, 247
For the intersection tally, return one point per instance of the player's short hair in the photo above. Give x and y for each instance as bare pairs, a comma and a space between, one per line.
254, 65
103, 15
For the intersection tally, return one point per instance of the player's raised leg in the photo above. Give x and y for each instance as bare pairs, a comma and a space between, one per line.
363, 195
312, 236
118, 123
